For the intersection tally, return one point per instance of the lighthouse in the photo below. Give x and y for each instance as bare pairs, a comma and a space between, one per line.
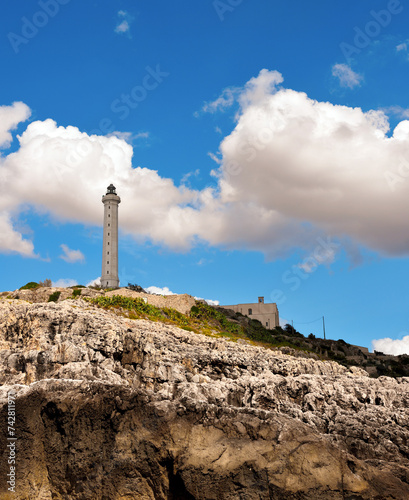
109, 274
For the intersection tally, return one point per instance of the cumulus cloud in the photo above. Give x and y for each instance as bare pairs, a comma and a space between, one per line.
12, 241
392, 346
65, 283
10, 117
71, 256
294, 166
346, 76
292, 171
63, 172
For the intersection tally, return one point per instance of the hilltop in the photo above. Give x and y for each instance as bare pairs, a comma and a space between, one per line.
110, 405
217, 321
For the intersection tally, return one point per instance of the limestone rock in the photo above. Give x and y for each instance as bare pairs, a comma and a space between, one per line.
113, 408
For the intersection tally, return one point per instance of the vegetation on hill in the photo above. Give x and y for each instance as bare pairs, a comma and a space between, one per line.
219, 322
54, 297
31, 285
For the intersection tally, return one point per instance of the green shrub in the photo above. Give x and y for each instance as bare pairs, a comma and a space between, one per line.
208, 313
194, 311
76, 292
176, 316
30, 286
138, 306
54, 297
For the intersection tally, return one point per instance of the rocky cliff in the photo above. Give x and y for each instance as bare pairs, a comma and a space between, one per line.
112, 408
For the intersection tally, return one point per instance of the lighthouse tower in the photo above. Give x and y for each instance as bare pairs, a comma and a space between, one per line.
109, 275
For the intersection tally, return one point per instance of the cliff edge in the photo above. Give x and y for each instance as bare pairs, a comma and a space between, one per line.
107, 407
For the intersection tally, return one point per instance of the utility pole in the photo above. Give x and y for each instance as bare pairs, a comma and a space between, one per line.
323, 326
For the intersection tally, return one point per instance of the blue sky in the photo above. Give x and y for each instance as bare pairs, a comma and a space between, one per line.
259, 148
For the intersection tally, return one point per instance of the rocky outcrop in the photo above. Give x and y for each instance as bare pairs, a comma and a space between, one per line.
112, 408
182, 303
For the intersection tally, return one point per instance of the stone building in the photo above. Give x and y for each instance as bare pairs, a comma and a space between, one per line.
109, 274
267, 314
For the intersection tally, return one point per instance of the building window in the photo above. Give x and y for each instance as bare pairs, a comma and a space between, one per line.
107, 261
108, 242
266, 323
109, 215
250, 312
109, 224
108, 234
107, 253
107, 272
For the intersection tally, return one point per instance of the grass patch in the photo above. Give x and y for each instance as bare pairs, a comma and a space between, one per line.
203, 319
32, 285
54, 297
212, 316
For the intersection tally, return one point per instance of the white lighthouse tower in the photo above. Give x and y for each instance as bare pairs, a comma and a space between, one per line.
109, 275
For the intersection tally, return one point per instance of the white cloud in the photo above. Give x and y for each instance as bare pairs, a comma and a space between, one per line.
11, 241
224, 101
123, 27
403, 48
95, 282
71, 256
392, 346
346, 76
292, 169
215, 158
131, 138
141, 135
257, 88
210, 302
124, 23
55, 167
320, 256
185, 179
398, 111
159, 291
165, 291
65, 283
10, 117
292, 160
